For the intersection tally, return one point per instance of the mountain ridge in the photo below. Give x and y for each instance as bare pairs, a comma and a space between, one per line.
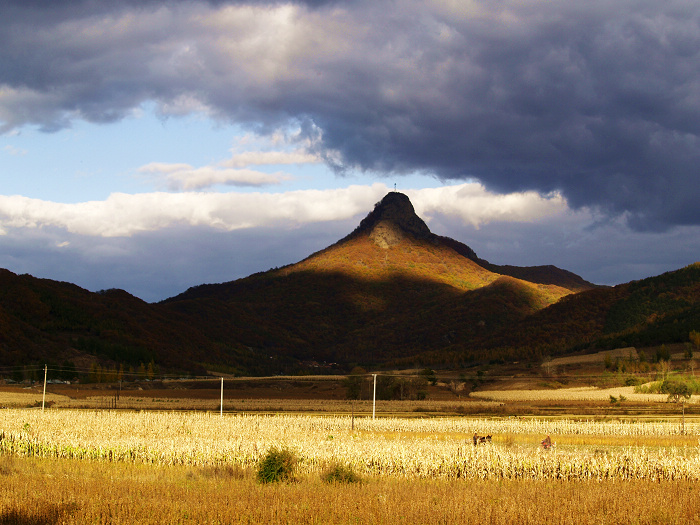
389, 293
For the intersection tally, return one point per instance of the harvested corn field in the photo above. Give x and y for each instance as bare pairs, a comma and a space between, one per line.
395, 447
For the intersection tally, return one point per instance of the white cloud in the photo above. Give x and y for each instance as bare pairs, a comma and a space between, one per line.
474, 205
183, 105
260, 158
12, 150
185, 177
164, 168
237, 170
124, 215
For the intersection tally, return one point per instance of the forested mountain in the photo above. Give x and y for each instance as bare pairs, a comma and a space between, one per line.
44, 321
390, 293
650, 312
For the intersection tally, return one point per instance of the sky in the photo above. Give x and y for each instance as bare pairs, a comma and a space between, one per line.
155, 145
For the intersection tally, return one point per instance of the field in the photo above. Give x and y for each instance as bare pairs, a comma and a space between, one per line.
161, 451
76, 466
60, 491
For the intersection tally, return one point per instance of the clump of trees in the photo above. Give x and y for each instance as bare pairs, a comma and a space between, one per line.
678, 388
100, 374
694, 337
360, 385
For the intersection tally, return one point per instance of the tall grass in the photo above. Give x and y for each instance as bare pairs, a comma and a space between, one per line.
71, 492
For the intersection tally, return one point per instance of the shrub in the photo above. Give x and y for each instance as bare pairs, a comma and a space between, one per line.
633, 381
277, 465
430, 376
338, 473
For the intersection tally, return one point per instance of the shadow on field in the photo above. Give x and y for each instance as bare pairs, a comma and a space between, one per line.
43, 515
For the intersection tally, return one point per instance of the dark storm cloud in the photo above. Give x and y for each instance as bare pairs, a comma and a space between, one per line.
597, 100
43, 8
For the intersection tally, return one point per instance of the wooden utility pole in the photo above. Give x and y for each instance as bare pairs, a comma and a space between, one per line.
374, 396
43, 398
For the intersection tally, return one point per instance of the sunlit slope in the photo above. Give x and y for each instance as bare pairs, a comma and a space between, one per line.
658, 310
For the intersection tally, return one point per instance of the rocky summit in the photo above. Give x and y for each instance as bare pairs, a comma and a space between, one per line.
393, 218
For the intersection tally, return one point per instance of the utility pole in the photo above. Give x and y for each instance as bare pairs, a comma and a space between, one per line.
221, 413
43, 398
374, 397
683, 420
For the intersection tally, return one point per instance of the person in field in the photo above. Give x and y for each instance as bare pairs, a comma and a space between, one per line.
547, 443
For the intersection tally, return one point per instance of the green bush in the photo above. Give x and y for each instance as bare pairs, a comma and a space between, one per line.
633, 381
338, 473
277, 465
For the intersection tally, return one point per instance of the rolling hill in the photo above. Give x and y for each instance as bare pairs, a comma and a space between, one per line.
390, 293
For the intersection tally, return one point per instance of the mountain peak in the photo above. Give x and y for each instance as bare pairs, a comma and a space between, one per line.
392, 218
393, 222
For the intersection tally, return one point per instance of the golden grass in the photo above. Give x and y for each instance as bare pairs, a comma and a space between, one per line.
15, 399
71, 492
584, 393
604, 444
